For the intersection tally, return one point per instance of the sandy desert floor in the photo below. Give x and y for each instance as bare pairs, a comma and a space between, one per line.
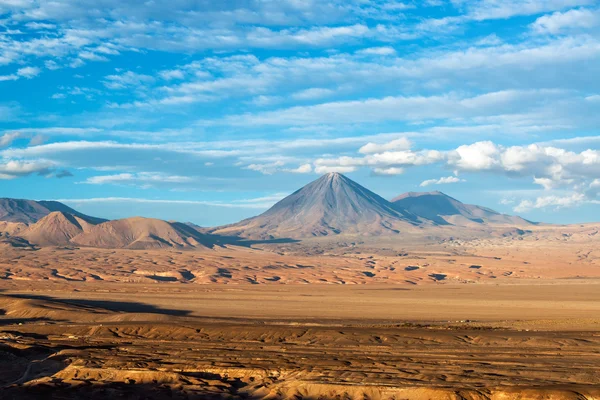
502, 318
553, 255
103, 340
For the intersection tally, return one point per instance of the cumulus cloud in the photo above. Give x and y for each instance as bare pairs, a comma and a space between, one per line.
15, 168
28, 72
475, 157
551, 202
548, 166
325, 169
441, 181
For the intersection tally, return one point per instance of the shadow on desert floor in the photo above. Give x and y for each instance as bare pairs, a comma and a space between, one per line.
104, 305
131, 391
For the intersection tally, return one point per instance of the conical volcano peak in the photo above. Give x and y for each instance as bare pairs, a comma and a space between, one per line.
333, 177
332, 204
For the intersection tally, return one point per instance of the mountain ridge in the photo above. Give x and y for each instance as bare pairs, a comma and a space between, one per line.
330, 205
31, 211
445, 210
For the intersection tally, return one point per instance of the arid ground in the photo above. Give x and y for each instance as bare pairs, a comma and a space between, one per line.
503, 318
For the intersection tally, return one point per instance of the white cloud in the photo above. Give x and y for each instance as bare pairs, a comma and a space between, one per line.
11, 77
550, 167
506, 103
172, 74
302, 169
559, 22
398, 144
325, 169
141, 178
441, 181
481, 10
378, 51
126, 80
28, 72
16, 168
546, 183
388, 171
312, 93
267, 168
551, 202
8, 138
257, 203
477, 156
91, 56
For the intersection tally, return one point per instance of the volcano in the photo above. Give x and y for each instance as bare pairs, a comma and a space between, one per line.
330, 205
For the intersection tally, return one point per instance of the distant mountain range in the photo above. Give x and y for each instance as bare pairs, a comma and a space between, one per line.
445, 210
335, 204
30, 211
330, 205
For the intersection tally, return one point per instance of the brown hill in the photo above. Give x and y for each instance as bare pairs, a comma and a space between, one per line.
12, 228
141, 233
445, 210
55, 229
31, 211
333, 204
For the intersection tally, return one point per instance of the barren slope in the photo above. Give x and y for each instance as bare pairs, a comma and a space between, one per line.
140, 233
55, 229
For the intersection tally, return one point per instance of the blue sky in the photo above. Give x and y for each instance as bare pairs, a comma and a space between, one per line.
210, 111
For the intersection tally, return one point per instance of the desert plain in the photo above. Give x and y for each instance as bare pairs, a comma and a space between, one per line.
508, 317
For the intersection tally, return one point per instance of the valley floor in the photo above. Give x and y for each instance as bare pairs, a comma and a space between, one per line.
498, 318
105, 340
